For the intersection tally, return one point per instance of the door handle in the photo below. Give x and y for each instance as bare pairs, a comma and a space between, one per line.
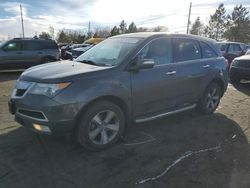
19, 52
206, 66
40, 52
171, 73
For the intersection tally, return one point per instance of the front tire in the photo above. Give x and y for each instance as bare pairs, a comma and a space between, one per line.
210, 99
101, 125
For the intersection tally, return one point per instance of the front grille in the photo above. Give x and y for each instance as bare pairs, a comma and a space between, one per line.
20, 92
32, 114
244, 63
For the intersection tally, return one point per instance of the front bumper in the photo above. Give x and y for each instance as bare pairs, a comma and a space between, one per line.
34, 111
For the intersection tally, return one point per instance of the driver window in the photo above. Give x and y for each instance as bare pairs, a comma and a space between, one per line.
158, 50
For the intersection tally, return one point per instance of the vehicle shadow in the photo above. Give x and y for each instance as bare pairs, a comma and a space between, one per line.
243, 87
9, 75
31, 160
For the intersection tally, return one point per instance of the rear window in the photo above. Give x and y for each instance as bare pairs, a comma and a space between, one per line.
186, 49
207, 51
234, 48
48, 45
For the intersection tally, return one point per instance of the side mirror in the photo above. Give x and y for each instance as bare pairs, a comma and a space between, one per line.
143, 64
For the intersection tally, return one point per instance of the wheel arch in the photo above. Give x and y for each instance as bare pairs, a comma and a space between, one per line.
221, 84
114, 99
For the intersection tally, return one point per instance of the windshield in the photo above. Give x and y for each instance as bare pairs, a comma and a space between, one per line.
2, 44
110, 52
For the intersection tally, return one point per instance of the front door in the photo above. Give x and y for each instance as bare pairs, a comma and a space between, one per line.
154, 90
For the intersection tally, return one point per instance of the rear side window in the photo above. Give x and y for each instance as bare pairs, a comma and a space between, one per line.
48, 45
186, 49
234, 48
32, 45
207, 51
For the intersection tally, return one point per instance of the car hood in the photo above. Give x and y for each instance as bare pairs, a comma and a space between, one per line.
244, 57
59, 71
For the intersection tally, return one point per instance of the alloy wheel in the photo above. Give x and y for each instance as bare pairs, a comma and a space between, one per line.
104, 127
213, 98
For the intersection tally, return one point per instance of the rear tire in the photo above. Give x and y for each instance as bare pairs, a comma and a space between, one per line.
210, 99
100, 126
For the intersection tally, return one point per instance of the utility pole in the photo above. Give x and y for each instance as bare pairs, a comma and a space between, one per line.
188, 23
22, 19
89, 34
52, 32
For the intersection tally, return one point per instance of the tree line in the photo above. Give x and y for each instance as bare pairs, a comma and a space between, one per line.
221, 26
71, 36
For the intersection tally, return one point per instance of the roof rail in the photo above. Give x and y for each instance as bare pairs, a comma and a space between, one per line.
20, 38
30, 38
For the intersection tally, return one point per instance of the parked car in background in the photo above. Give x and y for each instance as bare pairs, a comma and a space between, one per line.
240, 68
20, 53
86, 46
231, 50
79, 51
132, 77
248, 47
60, 45
66, 50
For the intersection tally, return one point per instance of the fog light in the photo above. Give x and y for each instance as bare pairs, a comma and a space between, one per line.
41, 128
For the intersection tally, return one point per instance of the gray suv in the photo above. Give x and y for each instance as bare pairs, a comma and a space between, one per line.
20, 53
127, 78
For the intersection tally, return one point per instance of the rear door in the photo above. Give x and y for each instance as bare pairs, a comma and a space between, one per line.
154, 90
33, 52
187, 57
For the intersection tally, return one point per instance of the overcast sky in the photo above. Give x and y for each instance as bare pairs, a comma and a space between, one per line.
39, 15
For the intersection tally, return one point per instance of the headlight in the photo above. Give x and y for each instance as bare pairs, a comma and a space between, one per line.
235, 63
49, 90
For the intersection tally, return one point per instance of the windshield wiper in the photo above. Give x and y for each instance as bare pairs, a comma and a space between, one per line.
93, 63
88, 62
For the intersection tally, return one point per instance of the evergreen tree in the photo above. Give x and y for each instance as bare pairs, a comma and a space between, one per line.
132, 28
238, 25
197, 27
44, 35
217, 23
62, 37
123, 27
114, 31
